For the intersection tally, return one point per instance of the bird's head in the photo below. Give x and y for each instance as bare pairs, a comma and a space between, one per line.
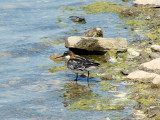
67, 54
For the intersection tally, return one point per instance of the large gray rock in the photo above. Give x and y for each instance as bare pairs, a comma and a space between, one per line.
96, 43
147, 2
153, 66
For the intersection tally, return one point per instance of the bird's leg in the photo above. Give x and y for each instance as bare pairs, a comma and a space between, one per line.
88, 77
76, 77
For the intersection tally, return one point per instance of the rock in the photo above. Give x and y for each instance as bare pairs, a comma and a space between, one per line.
96, 44
147, 2
156, 80
141, 76
127, 71
77, 19
153, 65
132, 53
155, 48
94, 32
107, 77
154, 55
144, 54
129, 12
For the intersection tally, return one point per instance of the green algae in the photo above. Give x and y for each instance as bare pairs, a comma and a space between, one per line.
55, 42
146, 101
144, 94
105, 85
52, 69
67, 8
145, 18
137, 23
56, 69
74, 91
102, 7
96, 105
59, 20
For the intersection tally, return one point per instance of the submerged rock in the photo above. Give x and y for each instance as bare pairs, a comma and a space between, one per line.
153, 65
96, 44
77, 19
94, 32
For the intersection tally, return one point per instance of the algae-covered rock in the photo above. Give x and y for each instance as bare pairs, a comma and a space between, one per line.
129, 12
96, 44
94, 32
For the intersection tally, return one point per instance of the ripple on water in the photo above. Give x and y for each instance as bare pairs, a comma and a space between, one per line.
36, 88
22, 59
5, 55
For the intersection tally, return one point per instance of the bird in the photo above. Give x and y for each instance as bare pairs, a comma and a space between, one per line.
79, 65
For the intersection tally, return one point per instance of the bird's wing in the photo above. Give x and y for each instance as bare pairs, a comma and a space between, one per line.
88, 63
76, 63
80, 63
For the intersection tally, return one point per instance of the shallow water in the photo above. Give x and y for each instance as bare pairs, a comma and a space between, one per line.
27, 89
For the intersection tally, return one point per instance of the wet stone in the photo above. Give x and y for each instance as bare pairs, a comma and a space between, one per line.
77, 19
94, 32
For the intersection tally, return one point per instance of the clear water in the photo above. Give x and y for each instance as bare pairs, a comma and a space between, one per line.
30, 91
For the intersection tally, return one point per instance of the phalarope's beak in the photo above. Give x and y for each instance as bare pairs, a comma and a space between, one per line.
59, 56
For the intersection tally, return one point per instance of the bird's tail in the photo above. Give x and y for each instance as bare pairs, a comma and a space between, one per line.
96, 64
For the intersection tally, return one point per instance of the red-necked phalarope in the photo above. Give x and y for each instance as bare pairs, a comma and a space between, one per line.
79, 65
